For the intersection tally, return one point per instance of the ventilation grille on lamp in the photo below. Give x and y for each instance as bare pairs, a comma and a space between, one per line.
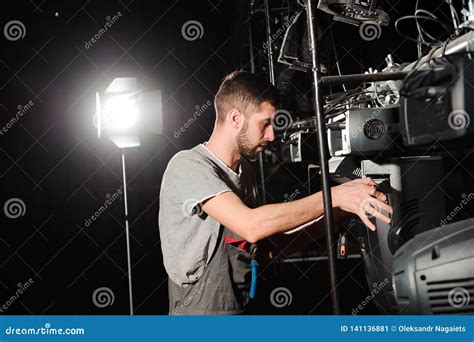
454, 296
374, 129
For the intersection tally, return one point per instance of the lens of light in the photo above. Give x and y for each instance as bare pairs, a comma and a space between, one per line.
120, 113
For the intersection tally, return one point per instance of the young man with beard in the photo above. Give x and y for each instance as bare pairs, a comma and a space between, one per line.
210, 221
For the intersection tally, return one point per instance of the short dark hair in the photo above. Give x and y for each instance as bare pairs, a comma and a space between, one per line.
244, 91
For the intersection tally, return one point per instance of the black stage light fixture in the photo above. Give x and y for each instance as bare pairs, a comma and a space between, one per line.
412, 186
434, 272
366, 132
436, 104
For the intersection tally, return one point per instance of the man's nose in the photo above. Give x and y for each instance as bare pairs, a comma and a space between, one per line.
269, 133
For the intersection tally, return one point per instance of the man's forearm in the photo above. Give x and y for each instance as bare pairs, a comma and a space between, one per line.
283, 246
258, 223
277, 218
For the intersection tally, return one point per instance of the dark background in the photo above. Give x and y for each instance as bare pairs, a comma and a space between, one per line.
52, 160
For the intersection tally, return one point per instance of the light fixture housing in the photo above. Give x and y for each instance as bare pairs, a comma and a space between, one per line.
122, 112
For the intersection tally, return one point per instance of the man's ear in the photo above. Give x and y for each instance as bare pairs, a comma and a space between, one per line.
235, 117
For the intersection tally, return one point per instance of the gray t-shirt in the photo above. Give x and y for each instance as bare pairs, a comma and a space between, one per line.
188, 235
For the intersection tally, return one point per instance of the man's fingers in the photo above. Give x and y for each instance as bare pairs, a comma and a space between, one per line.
378, 205
367, 222
374, 212
380, 196
385, 207
375, 207
367, 181
372, 191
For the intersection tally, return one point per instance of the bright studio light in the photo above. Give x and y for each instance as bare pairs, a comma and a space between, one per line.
123, 112
120, 113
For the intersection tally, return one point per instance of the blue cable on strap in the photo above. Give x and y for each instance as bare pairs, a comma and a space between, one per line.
253, 284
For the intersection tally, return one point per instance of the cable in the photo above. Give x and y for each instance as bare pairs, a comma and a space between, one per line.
335, 54
419, 37
413, 80
423, 17
410, 75
423, 31
454, 14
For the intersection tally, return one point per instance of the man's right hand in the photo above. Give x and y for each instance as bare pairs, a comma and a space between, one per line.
361, 197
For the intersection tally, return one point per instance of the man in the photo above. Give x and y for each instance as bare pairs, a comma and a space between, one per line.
210, 221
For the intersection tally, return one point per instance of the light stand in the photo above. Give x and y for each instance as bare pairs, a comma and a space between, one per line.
127, 234
322, 146
121, 116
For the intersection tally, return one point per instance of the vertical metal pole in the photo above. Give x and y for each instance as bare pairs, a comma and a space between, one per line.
271, 72
322, 147
271, 75
251, 54
130, 292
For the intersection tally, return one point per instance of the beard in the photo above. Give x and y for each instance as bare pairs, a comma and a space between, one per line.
246, 149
